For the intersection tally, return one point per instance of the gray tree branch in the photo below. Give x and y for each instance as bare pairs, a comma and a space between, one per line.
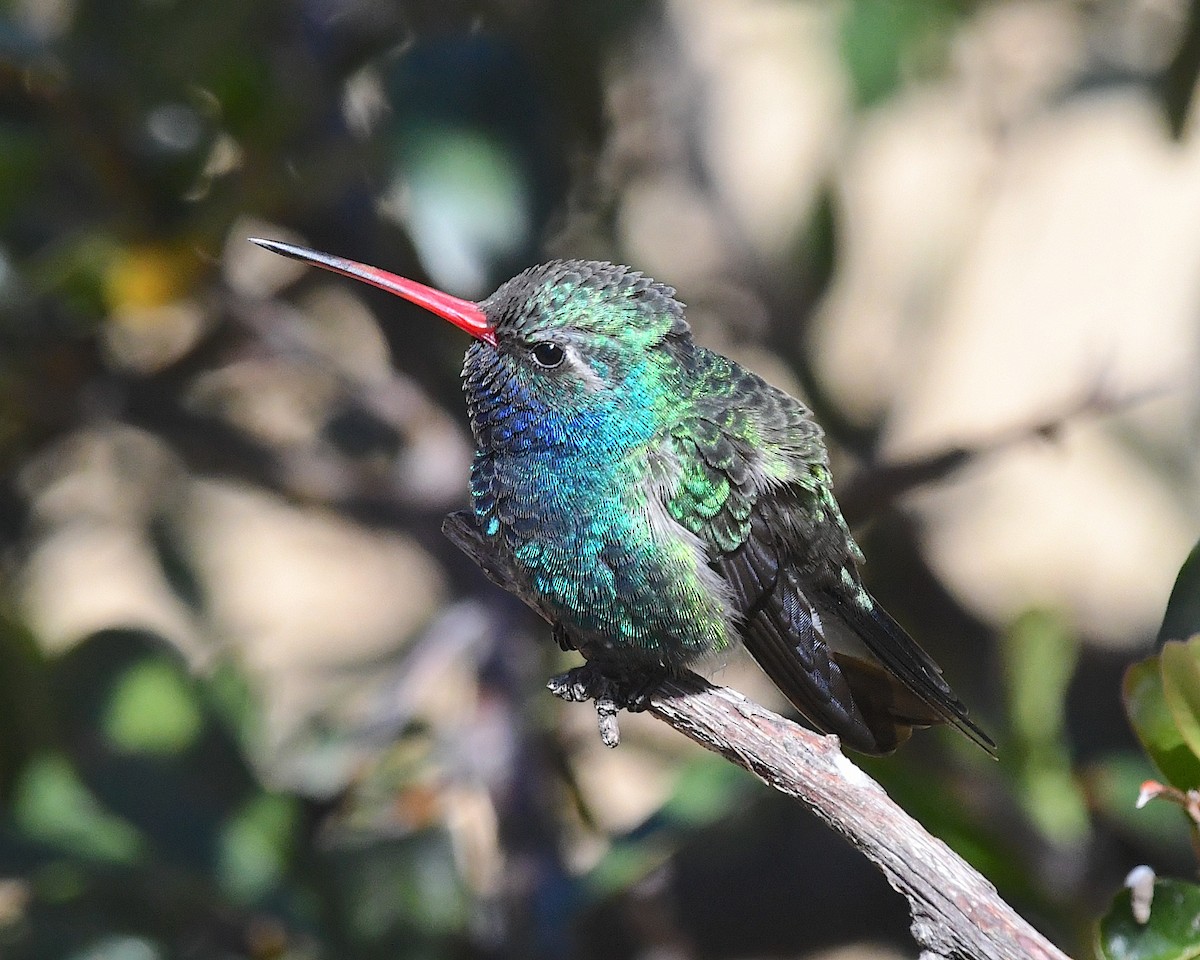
956, 912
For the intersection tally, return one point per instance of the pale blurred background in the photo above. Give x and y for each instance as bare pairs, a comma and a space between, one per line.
948, 225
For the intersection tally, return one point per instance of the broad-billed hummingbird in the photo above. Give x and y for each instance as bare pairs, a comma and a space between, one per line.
657, 502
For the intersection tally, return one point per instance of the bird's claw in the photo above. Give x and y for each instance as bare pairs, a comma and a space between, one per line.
563, 638
592, 682
611, 694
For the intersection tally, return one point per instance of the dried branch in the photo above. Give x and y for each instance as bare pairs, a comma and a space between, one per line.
956, 912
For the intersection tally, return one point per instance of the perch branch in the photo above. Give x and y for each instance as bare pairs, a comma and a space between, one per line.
956, 912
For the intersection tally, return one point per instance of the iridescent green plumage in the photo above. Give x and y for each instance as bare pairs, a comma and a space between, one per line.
660, 502
657, 502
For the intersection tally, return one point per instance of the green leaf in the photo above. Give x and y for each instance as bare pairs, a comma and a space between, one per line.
1181, 687
54, 806
708, 789
255, 845
230, 696
152, 709
1153, 722
1182, 618
1040, 654
881, 41
705, 792
1171, 933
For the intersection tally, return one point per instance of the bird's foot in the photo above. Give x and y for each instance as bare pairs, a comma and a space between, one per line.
592, 681
610, 692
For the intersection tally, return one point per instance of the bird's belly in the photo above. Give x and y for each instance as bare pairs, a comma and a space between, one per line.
618, 602
598, 565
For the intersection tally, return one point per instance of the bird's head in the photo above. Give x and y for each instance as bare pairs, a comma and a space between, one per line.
569, 344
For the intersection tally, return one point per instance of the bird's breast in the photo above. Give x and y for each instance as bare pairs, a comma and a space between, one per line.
593, 543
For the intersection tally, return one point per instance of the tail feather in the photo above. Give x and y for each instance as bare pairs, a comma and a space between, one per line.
920, 696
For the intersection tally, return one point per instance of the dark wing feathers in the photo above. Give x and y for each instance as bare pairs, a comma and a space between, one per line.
904, 658
780, 629
778, 538
787, 635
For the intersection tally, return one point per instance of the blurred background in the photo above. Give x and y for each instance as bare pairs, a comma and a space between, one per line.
253, 705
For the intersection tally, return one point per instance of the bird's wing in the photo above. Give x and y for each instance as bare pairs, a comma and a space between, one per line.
754, 484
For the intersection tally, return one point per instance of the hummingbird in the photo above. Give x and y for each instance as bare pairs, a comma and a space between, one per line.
657, 503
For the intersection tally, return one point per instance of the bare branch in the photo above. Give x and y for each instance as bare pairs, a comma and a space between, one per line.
956, 911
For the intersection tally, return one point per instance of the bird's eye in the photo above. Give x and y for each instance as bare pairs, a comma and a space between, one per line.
548, 355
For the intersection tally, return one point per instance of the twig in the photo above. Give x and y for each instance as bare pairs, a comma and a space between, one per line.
956, 912
880, 484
